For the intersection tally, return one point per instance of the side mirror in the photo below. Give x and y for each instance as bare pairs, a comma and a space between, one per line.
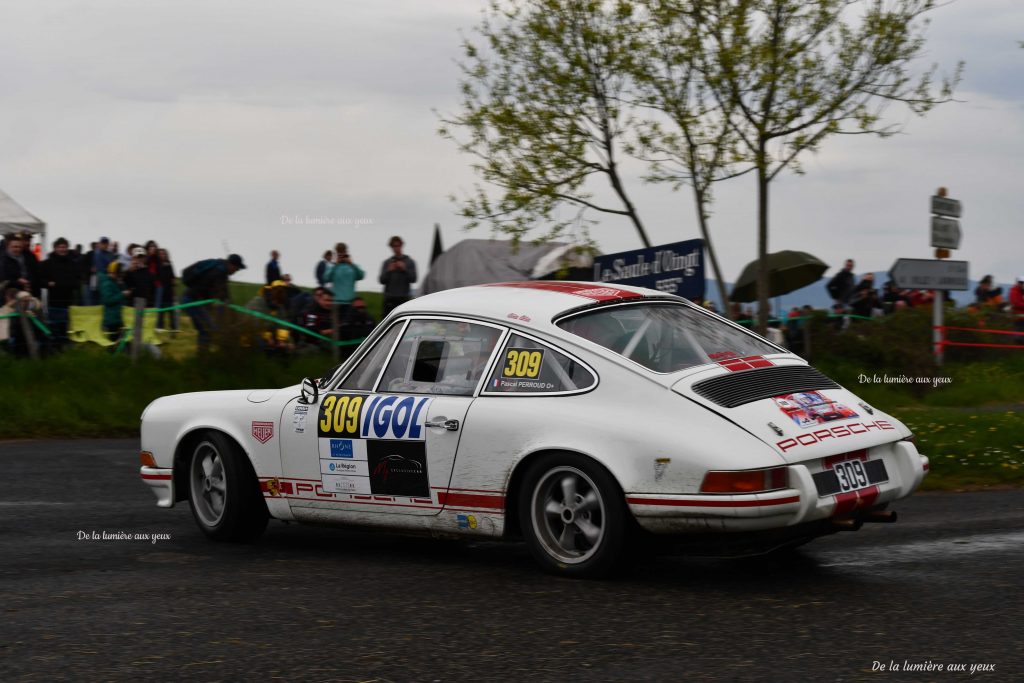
310, 392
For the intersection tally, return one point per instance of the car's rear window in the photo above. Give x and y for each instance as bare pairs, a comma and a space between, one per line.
665, 337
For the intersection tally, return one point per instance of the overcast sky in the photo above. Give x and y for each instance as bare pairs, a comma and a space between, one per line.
199, 123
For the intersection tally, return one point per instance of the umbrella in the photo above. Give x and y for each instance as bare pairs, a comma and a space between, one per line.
787, 271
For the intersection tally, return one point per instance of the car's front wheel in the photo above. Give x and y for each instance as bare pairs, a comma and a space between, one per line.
573, 516
223, 491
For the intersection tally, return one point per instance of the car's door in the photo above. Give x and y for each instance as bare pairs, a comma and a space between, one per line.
386, 437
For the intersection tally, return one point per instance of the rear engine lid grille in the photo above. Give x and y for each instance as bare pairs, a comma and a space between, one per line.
740, 388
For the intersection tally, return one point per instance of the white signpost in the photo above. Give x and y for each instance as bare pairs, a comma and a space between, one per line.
940, 274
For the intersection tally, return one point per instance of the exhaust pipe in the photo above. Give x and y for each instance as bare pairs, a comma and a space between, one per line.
880, 517
849, 524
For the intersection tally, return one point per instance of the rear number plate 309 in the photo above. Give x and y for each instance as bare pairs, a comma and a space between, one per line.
851, 475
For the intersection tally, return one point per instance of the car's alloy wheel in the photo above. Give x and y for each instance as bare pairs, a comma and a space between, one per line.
568, 514
223, 491
208, 484
573, 516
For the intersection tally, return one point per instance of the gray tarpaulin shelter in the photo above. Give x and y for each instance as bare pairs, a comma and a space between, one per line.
477, 262
14, 218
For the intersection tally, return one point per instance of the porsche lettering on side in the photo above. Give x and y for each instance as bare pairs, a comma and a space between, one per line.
579, 417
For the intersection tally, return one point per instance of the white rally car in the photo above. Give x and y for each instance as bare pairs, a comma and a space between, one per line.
578, 416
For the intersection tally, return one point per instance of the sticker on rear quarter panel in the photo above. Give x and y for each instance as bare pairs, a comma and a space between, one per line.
810, 408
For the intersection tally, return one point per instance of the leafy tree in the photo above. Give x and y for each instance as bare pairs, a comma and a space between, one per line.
792, 73
543, 112
694, 143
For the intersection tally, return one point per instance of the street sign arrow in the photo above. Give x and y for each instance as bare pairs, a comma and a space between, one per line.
913, 273
944, 206
945, 232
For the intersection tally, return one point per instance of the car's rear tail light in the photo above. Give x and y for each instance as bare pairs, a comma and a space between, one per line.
745, 481
147, 459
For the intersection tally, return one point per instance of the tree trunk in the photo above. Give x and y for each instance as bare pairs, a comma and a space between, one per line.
762, 240
613, 176
702, 221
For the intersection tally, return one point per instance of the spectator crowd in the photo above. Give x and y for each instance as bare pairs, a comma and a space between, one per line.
46, 288
105, 275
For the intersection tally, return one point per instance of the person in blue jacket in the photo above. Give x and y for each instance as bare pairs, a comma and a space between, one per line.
342, 276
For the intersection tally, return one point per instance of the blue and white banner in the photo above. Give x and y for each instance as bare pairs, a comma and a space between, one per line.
676, 268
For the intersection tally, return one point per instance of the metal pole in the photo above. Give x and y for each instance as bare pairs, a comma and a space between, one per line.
937, 326
140, 305
335, 320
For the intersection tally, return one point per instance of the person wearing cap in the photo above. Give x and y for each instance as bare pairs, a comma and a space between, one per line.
100, 258
397, 274
208, 279
138, 280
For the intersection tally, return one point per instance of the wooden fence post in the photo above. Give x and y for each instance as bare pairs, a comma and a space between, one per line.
140, 305
26, 329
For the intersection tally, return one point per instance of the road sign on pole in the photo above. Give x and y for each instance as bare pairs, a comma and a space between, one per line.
915, 273
944, 206
945, 232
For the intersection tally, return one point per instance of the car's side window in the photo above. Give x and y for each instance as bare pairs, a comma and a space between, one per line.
440, 357
365, 374
529, 367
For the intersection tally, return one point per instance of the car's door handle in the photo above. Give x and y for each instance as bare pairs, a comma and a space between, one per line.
450, 425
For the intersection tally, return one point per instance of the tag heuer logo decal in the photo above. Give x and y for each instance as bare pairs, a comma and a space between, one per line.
263, 431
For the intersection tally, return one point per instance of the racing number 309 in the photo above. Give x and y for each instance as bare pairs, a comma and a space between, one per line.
523, 363
341, 415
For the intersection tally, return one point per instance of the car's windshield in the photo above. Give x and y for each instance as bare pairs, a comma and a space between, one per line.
665, 337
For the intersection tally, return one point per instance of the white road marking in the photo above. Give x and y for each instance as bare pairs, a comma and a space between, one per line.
29, 503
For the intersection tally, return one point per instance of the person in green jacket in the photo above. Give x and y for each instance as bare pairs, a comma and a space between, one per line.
342, 276
112, 298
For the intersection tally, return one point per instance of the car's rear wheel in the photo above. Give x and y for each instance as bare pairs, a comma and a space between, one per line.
223, 491
573, 516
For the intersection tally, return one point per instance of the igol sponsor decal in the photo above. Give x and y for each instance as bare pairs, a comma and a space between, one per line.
378, 417
837, 432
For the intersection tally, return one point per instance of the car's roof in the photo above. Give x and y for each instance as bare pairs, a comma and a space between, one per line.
528, 301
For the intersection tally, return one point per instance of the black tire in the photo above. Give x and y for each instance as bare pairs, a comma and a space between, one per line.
573, 517
223, 491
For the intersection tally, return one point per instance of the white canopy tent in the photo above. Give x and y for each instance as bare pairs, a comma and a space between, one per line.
14, 218
478, 261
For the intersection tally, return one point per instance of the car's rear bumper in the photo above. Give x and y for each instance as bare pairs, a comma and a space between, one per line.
799, 504
161, 482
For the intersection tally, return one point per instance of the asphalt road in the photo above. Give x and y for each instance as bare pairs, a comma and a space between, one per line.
943, 585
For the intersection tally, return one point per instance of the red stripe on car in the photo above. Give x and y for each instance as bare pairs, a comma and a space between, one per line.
593, 291
470, 500
712, 503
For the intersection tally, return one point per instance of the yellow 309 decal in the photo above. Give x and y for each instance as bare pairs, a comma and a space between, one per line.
339, 415
523, 363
